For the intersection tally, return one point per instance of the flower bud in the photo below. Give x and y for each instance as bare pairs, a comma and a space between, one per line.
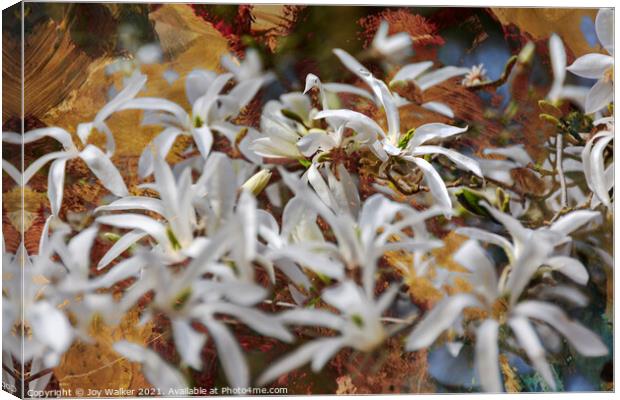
257, 182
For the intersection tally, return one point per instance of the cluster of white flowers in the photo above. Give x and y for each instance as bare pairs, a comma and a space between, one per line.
213, 223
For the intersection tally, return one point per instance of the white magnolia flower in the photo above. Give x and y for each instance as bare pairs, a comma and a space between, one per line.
532, 248
283, 123
210, 205
600, 178
359, 325
36, 309
413, 73
599, 66
527, 320
187, 296
411, 148
98, 162
362, 239
133, 85
176, 239
393, 48
300, 238
250, 69
211, 109
476, 75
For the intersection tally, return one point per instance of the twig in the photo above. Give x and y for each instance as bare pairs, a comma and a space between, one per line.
559, 149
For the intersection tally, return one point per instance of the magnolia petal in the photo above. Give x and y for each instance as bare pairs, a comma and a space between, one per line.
134, 85
488, 237
349, 189
312, 142
596, 172
354, 120
601, 94
487, 356
472, 256
197, 83
134, 203
411, 71
326, 352
583, 340
460, 160
229, 354
439, 108
440, 318
122, 244
314, 81
434, 182
604, 25
533, 255
56, 184
387, 298
350, 62
11, 171
436, 77
592, 66
204, 140
528, 340
346, 88
565, 293
512, 225
569, 223
44, 241
158, 104
196, 246
45, 318
318, 183
432, 131
79, 248
261, 322
346, 296
188, 342
377, 211
121, 271
310, 259
394, 48
274, 148
137, 222
36, 165
237, 292
586, 158
558, 65
55, 133
311, 317
245, 91
576, 94
203, 105
385, 98
292, 361
104, 170
162, 145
